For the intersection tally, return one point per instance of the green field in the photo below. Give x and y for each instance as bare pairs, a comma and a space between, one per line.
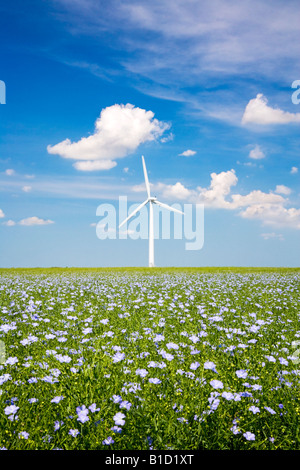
174, 358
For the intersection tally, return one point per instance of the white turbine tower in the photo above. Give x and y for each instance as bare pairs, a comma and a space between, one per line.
151, 200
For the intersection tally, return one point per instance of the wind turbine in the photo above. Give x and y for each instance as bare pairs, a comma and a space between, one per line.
151, 200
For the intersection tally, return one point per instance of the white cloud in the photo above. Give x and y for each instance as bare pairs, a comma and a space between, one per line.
35, 221
258, 112
92, 165
139, 188
220, 186
271, 214
207, 35
168, 191
29, 221
168, 138
294, 170
187, 153
268, 236
269, 207
119, 131
9, 223
256, 153
213, 196
10, 172
26, 189
281, 189
207, 39
176, 191
1, 214
255, 197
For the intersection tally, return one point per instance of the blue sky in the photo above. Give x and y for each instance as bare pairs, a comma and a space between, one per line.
202, 89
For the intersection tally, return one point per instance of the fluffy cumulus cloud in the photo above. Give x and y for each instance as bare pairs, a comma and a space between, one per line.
219, 188
282, 189
256, 153
28, 222
176, 191
255, 197
187, 153
213, 196
258, 112
273, 214
119, 131
35, 221
1, 214
267, 207
294, 170
9, 223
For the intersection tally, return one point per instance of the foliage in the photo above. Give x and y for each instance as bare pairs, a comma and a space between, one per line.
160, 359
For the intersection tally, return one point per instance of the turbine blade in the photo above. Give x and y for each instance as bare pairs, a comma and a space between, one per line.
167, 207
134, 212
146, 177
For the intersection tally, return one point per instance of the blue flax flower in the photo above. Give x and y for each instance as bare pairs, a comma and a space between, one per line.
210, 366
57, 425
141, 372
82, 413
119, 419
32, 400
216, 384
254, 409
57, 399
116, 429
125, 404
154, 380
270, 410
109, 440
12, 409
116, 398
118, 357
93, 408
241, 374
228, 395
